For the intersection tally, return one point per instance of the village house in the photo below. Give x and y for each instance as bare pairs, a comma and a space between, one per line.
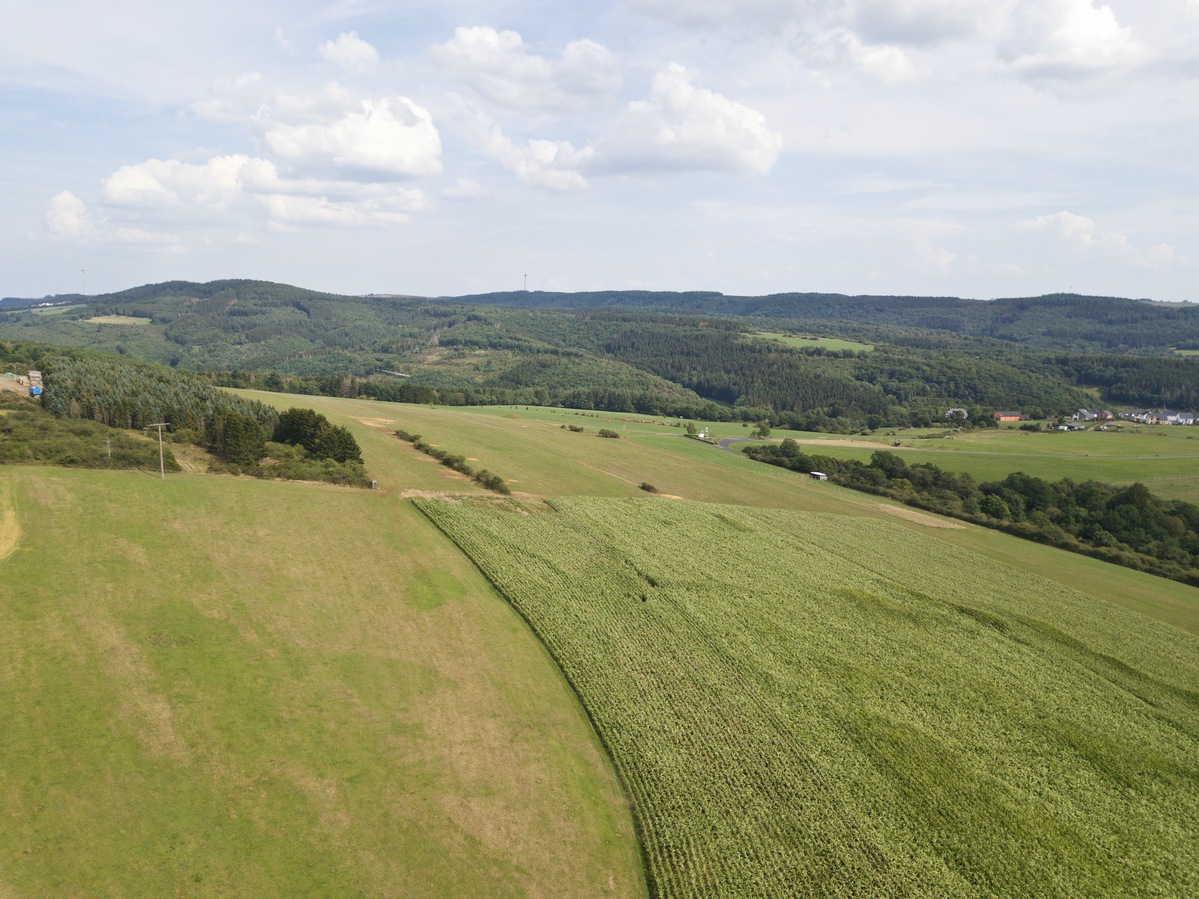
1007, 416
1092, 415
1159, 417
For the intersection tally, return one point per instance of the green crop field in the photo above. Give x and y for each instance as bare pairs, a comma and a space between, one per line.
833, 706
222, 686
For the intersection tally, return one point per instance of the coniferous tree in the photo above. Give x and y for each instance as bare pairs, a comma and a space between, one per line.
338, 444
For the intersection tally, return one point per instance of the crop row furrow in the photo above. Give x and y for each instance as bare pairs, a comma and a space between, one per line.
796, 707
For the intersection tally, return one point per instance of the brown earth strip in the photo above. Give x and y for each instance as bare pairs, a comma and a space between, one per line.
913, 515
10, 527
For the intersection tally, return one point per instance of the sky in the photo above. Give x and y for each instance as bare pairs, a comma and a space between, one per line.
976, 148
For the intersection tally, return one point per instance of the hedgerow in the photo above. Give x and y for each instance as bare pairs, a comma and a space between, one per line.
457, 462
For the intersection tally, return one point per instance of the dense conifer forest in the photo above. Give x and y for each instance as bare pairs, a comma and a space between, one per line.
91, 401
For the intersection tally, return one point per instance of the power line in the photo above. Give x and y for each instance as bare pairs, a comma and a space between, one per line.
162, 472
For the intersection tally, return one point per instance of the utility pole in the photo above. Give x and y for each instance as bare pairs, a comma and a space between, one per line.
162, 472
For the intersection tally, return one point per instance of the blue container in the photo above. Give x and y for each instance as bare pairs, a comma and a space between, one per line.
34, 390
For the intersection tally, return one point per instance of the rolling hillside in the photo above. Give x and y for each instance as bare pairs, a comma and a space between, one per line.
691, 354
800, 704
217, 686
226, 686
1055, 321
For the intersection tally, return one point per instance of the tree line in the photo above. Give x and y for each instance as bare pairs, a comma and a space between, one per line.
1126, 525
456, 462
128, 395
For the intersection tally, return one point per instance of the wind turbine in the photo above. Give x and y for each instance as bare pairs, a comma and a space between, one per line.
83, 272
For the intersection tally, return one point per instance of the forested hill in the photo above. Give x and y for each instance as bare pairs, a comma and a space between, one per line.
1063, 322
1056, 321
808, 358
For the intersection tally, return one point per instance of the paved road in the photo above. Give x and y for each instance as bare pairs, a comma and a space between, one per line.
726, 443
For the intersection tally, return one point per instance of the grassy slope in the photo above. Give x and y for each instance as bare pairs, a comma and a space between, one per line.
849, 708
1165, 459
422, 720
225, 686
804, 342
529, 448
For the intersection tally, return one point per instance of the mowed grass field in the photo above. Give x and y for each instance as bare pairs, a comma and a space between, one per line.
814, 705
806, 340
222, 686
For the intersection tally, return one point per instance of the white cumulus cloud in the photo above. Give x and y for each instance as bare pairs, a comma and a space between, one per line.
1078, 229
287, 212
930, 258
226, 189
383, 138
1066, 39
886, 62
1084, 235
67, 218
1038, 40
499, 67
334, 132
351, 53
172, 184
549, 164
683, 127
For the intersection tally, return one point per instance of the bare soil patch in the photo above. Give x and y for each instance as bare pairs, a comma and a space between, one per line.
431, 494
10, 528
